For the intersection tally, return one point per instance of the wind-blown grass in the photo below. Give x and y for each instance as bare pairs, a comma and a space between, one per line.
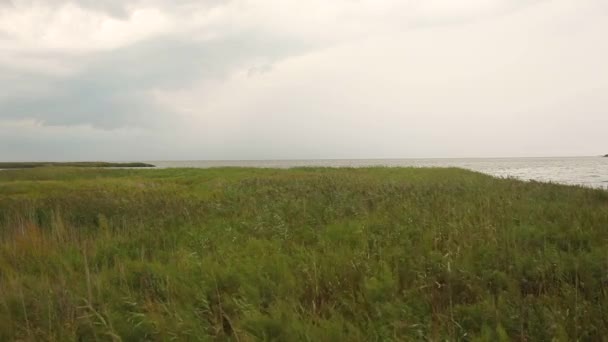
304, 254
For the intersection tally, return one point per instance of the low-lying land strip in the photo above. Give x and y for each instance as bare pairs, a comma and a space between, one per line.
303, 254
31, 165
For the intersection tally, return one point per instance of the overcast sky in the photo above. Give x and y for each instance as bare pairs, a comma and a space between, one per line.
293, 79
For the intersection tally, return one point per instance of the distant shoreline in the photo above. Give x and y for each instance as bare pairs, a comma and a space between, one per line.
31, 165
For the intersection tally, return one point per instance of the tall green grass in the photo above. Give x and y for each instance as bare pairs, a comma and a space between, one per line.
308, 254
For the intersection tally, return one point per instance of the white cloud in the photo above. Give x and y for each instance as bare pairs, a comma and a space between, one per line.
74, 29
517, 83
308, 79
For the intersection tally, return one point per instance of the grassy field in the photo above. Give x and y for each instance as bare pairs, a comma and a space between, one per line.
31, 165
303, 254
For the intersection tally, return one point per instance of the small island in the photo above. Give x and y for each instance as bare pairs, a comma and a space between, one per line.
606, 156
31, 165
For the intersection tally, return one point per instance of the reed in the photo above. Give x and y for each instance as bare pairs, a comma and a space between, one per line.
303, 254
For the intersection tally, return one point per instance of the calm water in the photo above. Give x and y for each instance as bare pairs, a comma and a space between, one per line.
587, 171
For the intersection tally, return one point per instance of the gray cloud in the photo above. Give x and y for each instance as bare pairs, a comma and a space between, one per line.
161, 79
117, 8
111, 90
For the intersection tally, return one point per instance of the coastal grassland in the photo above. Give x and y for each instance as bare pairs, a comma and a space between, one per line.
314, 254
31, 165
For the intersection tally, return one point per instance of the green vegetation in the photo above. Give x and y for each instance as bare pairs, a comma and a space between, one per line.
303, 254
31, 165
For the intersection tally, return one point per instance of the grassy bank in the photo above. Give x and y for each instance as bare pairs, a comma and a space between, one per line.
31, 165
303, 254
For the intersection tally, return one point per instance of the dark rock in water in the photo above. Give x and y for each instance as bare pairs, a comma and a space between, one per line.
606, 156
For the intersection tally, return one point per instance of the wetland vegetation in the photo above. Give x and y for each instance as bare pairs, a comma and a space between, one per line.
312, 254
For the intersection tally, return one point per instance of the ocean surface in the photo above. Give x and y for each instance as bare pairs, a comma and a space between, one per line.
585, 171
